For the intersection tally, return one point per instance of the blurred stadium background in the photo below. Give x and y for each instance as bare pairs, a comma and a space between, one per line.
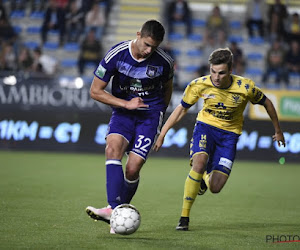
52, 147
55, 113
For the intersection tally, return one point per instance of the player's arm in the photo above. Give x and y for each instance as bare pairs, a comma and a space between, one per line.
168, 87
178, 113
278, 136
99, 94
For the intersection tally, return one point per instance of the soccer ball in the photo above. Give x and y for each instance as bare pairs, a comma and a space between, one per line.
125, 219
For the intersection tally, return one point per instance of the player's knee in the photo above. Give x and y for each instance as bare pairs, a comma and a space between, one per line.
132, 171
131, 174
111, 152
215, 188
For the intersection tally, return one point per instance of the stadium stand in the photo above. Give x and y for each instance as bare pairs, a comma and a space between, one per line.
125, 18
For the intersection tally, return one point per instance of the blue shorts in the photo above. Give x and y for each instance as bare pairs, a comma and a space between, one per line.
218, 144
139, 128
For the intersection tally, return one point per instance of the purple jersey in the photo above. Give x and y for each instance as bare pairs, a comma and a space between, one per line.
136, 78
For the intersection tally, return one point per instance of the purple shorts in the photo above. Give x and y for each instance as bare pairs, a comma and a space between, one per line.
139, 128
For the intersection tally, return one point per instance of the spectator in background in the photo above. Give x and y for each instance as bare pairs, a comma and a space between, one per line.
8, 58
238, 67
3, 12
108, 5
38, 5
293, 58
63, 4
256, 11
95, 19
210, 44
216, 26
167, 47
179, 11
74, 22
207, 47
44, 64
85, 5
16, 5
54, 20
275, 63
7, 32
25, 60
292, 28
90, 51
277, 15
35, 5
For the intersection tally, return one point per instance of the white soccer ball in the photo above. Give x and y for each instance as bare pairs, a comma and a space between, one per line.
125, 219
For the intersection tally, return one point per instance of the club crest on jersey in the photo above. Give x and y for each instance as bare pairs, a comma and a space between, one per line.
235, 98
151, 71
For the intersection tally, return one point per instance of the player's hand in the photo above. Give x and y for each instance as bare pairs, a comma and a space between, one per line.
135, 103
279, 137
159, 142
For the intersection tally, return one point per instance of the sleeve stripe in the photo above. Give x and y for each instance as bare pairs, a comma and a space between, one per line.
262, 101
167, 57
115, 51
185, 105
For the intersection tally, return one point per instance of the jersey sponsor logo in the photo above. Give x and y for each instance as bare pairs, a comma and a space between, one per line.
100, 71
136, 87
136, 83
220, 105
225, 115
151, 71
225, 162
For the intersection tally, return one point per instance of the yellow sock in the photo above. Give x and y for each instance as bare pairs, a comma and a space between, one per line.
206, 178
191, 188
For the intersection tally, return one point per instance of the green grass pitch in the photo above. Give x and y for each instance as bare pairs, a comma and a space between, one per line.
44, 195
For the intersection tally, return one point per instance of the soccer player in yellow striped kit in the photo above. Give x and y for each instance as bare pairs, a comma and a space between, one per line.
218, 126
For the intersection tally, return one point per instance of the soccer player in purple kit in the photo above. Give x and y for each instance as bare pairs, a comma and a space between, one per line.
141, 76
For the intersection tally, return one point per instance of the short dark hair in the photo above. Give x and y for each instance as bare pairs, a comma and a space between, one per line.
221, 56
154, 29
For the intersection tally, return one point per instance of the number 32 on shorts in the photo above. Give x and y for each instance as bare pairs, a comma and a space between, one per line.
142, 143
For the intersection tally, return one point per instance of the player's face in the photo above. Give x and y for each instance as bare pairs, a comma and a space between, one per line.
220, 75
145, 46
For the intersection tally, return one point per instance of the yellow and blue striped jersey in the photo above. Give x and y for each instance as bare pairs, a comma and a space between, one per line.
222, 108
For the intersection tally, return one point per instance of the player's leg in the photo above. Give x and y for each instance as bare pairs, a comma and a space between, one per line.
204, 184
146, 130
117, 140
191, 188
192, 183
217, 181
115, 148
132, 176
200, 149
222, 161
